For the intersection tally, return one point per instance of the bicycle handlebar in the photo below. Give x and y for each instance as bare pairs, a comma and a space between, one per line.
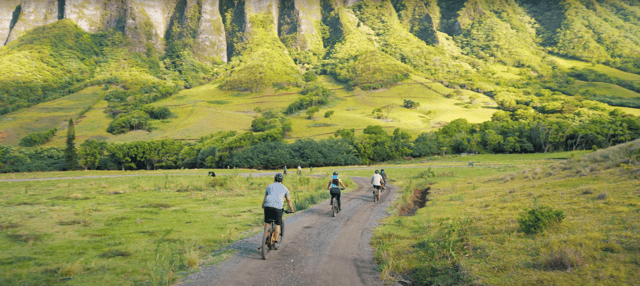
288, 212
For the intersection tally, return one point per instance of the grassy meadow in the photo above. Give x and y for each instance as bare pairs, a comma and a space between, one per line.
207, 109
153, 228
469, 231
568, 63
144, 230
47, 115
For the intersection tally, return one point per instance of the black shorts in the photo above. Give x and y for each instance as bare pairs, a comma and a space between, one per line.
377, 187
334, 191
273, 214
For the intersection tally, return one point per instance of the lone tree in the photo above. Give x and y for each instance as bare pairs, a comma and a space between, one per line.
311, 111
408, 103
377, 113
70, 152
328, 115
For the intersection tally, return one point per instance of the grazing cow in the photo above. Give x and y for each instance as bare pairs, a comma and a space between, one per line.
212, 174
470, 164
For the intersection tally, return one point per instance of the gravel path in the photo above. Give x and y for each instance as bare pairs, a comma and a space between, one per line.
317, 249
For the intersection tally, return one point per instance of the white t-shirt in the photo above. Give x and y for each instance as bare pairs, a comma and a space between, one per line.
376, 179
276, 192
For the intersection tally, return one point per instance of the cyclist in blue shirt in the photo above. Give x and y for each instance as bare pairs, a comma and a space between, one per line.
334, 188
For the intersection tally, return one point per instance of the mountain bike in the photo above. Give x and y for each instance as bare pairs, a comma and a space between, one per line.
334, 205
267, 243
376, 194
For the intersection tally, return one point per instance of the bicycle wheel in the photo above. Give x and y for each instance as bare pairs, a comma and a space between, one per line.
266, 242
281, 233
334, 207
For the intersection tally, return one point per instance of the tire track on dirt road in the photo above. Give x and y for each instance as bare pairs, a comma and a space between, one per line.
317, 249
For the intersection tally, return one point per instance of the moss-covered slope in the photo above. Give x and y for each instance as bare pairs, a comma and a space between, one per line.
355, 56
261, 59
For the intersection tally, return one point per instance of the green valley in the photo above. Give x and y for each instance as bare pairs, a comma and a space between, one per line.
509, 129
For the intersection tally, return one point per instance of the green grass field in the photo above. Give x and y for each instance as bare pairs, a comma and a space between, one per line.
47, 115
129, 231
601, 88
155, 229
207, 109
567, 63
468, 233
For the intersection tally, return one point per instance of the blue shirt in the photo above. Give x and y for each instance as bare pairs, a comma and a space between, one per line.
276, 192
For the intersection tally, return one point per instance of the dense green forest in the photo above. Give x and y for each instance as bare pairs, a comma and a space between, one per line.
369, 45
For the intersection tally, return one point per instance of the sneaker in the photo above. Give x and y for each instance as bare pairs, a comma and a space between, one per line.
276, 246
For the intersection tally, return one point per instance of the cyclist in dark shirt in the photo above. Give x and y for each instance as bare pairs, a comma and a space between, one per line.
334, 188
384, 178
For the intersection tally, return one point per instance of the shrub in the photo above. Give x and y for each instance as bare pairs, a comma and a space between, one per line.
408, 103
37, 138
312, 95
563, 259
539, 218
136, 120
310, 76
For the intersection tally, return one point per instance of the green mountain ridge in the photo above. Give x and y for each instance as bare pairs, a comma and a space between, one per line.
504, 49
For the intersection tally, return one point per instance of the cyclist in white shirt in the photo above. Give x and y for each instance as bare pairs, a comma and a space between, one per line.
273, 201
376, 181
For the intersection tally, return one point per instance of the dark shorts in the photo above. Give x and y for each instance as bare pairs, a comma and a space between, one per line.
334, 190
377, 187
273, 214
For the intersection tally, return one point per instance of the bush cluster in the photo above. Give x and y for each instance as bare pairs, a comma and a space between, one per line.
37, 138
538, 219
311, 95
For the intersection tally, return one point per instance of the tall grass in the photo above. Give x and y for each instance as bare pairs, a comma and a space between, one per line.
468, 233
133, 230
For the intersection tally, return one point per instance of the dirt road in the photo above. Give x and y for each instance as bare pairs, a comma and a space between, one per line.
317, 249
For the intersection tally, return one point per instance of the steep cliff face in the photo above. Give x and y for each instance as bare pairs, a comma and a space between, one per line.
86, 13
150, 20
114, 15
8, 10
420, 18
210, 44
308, 13
33, 14
256, 7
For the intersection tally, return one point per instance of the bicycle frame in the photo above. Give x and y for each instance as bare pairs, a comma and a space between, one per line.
266, 243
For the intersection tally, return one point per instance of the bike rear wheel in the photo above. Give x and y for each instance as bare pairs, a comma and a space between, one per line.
266, 242
334, 207
281, 233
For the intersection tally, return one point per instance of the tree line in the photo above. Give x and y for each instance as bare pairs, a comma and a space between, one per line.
268, 150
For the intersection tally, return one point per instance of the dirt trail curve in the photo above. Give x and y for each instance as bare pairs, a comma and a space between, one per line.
317, 249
